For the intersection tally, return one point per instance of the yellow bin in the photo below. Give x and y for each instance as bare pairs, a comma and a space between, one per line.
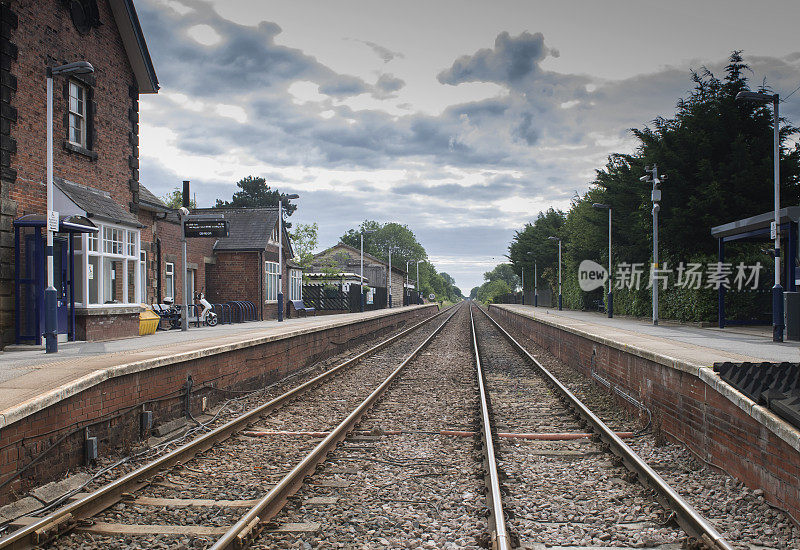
148, 322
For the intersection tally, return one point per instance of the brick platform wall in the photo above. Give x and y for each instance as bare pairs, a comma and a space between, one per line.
115, 403
686, 409
108, 326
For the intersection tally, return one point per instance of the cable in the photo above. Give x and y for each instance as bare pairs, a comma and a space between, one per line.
790, 95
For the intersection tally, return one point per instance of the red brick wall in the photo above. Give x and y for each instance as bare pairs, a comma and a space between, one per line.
36, 34
686, 408
246, 368
168, 231
93, 328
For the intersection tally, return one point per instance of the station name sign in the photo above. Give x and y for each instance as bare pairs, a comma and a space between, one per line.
205, 228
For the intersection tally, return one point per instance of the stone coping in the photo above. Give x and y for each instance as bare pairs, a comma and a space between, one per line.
51, 397
762, 415
107, 310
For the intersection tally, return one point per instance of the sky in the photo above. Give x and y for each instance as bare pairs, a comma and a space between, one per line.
460, 119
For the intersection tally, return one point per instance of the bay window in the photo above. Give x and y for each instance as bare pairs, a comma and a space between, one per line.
108, 267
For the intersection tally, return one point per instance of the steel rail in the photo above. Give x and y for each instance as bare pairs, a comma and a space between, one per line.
688, 518
65, 518
253, 522
499, 537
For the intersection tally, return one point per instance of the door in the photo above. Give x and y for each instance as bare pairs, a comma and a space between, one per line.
60, 281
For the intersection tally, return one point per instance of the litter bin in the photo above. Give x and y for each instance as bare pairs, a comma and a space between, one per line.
791, 308
148, 322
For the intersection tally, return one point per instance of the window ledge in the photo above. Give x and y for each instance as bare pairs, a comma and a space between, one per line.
80, 150
107, 309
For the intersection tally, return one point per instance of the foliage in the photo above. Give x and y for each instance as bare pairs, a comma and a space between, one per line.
174, 199
255, 193
503, 272
304, 240
405, 248
491, 290
717, 153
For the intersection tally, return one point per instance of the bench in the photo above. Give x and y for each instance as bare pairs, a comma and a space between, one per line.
299, 307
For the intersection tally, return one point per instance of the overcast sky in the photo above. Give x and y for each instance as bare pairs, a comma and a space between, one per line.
461, 119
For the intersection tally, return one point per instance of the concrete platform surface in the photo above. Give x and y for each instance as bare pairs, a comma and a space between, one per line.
30, 376
692, 345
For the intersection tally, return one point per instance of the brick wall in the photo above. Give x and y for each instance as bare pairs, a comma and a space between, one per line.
249, 367
685, 408
92, 327
198, 253
34, 35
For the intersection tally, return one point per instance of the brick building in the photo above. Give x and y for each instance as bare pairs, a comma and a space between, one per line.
344, 259
95, 159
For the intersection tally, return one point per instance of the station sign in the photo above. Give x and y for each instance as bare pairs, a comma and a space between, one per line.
205, 228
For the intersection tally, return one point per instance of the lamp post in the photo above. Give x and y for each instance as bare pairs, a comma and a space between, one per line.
559, 270
610, 296
655, 196
361, 281
418, 262
405, 290
50, 294
523, 284
777, 289
280, 252
390, 277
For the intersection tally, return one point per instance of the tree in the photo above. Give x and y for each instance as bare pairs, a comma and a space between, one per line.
405, 246
503, 272
304, 240
255, 193
174, 199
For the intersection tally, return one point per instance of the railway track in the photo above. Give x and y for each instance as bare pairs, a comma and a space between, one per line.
221, 473
438, 437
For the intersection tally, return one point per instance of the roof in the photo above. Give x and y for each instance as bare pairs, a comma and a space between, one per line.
148, 201
357, 251
96, 203
135, 46
250, 228
755, 223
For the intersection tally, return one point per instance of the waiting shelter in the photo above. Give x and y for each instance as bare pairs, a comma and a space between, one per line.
756, 229
30, 278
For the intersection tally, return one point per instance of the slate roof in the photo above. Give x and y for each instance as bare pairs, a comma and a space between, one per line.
96, 203
148, 201
250, 228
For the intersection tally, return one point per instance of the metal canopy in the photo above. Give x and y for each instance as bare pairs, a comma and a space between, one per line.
67, 224
755, 226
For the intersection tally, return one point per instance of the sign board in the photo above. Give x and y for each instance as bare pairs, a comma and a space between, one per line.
772, 230
52, 221
91, 272
205, 228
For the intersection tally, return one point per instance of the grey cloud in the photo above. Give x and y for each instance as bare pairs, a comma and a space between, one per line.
511, 60
383, 52
389, 83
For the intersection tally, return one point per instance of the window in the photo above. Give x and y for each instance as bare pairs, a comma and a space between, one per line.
295, 284
271, 286
169, 281
143, 276
191, 277
77, 114
108, 267
112, 240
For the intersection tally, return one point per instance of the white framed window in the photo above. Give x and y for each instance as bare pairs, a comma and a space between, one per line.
112, 240
77, 114
108, 267
169, 280
271, 283
143, 277
295, 284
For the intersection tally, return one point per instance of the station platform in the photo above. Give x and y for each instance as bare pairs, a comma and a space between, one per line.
31, 380
693, 345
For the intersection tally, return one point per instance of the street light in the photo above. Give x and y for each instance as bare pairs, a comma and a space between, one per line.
390, 276
559, 270
777, 289
655, 196
418, 262
363, 231
610, 298
280, 251
50, 294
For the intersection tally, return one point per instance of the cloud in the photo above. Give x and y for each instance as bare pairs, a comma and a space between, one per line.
387, 84
512, 60
383, 52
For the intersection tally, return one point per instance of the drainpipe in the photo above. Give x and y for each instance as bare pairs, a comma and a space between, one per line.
158, 270
261, 281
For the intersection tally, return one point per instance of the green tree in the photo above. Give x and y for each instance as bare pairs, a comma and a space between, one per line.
404, 244
503, 272
492, 290
304, 240
255, 193
174, 199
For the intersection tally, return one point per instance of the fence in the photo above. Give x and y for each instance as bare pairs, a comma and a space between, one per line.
325, 299
411, 297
